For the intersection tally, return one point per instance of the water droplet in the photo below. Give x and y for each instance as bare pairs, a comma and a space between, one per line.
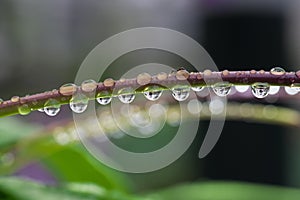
207, 72
89, 85
225, 73
104, 98
182, 74
24, 109
197, 88
162, 76
274, 90
242, 88
52, 107
126, 95
79, 103
68, 89
143, 79
278, 71
180, 93
109, 82
291, 90
15, 99
152, 93
260, 90
222, 89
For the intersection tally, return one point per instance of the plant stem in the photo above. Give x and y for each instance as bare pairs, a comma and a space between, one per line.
206, 78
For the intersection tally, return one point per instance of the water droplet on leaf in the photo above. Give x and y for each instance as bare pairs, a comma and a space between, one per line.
52, 107
180, 93
260, 90
126, 95
24, 109
104, 98
152, 93
197, 88
79, 103
222, 89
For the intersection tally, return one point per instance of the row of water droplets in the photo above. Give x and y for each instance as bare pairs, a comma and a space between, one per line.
79, 101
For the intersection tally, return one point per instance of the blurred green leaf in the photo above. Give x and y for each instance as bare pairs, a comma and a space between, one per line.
227, 191
13, 130
69, 162
18, 189
74, 163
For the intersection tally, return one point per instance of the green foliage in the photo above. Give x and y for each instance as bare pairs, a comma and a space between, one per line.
228, 191
18, 189
12, 131
82, 177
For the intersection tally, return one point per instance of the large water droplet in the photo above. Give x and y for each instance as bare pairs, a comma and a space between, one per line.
242, 88
274, 90
222, 89
197, 88
126, 95
181, 93
278, 71
24, 109
79, 103
260, 90
152, 93
52, 107
104, 98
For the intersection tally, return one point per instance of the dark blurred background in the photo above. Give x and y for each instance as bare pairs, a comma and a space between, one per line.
42, 44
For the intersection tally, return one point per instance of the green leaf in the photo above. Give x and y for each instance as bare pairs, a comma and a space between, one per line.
13, 130
227, 191
73, 163
21, 189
